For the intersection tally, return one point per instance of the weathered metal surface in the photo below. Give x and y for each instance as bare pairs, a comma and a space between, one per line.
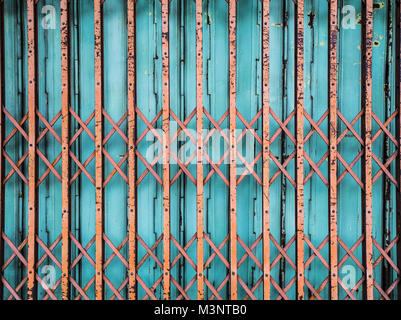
299, 166
32, 174
65, 137
98, 26
366, 61
398, 133
332, 132
232, 23
97, 114
131, 147
199, 154
266, 149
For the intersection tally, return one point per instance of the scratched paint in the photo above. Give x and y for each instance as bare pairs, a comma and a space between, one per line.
200, 65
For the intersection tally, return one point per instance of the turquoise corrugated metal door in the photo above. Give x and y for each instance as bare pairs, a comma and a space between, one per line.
218, 202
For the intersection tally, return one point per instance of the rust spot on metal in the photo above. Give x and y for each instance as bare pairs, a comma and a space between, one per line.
266, 149
299, 163
378, 5
367, 34
332, 132
98, 16
199, 144
398, 133
166, 148
29, 246
65, 136
232, 27
32, 124
311, 19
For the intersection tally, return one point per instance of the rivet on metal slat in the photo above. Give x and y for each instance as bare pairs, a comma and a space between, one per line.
199, 148
266, 149
2, 219
131, 149
332, 79
166, 149
32, 196
367, 129
232, 26
299, 206
65, 185
98, 26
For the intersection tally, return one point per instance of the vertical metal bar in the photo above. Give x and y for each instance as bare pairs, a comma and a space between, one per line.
367, 128
386, 270
398, 106
99, 147
283, 143
65, 137
232, 25
166, 149
299, 57
333, 30
32, 204
2, 100
131, 148
266, 148
199, 147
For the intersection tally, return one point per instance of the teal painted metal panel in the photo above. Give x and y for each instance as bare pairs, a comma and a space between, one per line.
183, 102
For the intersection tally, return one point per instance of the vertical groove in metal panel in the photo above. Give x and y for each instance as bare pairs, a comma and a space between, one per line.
232, 25
166, 149
199, 147
283, 158
65, 184
333, 30
299, 57
99, 147
367, 132
266, 149
32, 277
32, 204
2, 132
131, 148
398, 133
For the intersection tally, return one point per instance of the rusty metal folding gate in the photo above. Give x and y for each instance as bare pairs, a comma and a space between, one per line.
313, 214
